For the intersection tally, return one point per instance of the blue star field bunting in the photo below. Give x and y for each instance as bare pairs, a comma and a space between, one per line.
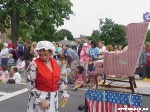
108, 101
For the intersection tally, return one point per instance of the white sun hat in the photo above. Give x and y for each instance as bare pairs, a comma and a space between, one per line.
45, 45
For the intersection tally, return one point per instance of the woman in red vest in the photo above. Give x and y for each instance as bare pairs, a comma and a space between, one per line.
43, 78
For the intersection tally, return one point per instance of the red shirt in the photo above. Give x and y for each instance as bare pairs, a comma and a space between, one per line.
79, 77
46, 79
12, 45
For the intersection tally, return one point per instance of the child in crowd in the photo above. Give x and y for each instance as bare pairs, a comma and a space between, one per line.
11, 61
69, 75
4, 74
63, 65
90, 71
79, 78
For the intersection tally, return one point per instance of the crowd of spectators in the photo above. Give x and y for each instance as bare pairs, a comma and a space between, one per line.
16, 57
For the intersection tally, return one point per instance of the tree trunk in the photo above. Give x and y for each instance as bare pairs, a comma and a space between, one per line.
14, 26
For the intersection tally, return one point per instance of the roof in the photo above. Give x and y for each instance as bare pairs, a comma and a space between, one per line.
67, 42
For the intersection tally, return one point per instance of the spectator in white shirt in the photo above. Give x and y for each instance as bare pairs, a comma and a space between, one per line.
102, 49
4, 54
16, 77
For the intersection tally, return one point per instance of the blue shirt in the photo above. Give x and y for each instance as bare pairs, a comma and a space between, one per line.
58, 49
72, 53
94, 52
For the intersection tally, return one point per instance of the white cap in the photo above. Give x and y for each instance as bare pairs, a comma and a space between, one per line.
85, 44
5, 44
45, 45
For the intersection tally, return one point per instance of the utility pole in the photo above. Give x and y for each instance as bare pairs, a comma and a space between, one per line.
100, 24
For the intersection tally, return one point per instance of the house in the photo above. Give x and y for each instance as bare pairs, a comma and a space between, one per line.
82, 39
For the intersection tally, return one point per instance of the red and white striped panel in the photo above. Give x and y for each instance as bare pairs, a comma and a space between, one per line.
125, 63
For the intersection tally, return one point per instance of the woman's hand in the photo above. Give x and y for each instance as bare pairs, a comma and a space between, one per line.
44, 105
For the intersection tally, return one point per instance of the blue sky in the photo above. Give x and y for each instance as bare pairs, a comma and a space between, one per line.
88, 13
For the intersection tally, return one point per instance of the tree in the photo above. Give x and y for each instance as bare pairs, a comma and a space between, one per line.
90, 38
33, 14
113, 33
38, 33
46, 34
64, 33
95, 35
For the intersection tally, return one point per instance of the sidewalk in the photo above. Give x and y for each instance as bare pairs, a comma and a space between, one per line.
143, 87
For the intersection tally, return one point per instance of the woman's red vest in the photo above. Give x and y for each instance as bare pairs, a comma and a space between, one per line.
46, 79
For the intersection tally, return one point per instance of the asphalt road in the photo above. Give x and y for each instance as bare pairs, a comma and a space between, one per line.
18, 103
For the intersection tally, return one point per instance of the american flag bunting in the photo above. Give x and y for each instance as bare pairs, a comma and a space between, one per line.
108, 101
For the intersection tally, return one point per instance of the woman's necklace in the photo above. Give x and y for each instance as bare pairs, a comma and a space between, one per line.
47, 61
48, 64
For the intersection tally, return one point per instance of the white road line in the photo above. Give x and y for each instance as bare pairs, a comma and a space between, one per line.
3, 93
22, 83
9, 95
